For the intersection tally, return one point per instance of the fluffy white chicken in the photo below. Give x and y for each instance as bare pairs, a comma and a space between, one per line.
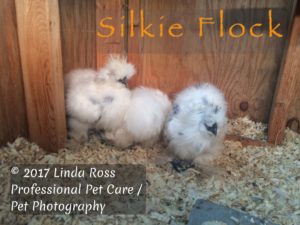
197, 124
97, 99
144, 119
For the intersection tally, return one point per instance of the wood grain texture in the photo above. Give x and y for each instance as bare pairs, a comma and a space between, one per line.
39, 38
13, 121
78, 33
286, 105
246, 70
116, 44
293, 117
135, 53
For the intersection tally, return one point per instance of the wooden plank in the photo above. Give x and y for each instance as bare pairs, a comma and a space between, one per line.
12, 111
39, 39
285, 101
116, 44
246, 70
293, 117
78, 34
135, 54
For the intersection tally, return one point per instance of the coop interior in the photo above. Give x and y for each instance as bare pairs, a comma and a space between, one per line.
258, 171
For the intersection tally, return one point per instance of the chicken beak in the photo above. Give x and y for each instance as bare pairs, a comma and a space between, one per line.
124, 81
213, 129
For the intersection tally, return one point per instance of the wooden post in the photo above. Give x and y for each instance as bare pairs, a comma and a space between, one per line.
40, 46
12, 106
286, 87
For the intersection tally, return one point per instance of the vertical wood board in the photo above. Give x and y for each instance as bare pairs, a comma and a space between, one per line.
13, 121
116, 11
78, 34
286, 103
39, 38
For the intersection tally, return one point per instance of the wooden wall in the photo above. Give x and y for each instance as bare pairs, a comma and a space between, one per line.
247, 70
78, 33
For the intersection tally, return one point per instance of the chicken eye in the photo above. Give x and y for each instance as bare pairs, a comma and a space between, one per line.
217, 109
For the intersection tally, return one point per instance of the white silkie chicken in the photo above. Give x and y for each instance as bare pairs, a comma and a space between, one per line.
197, 125
97, 98
144, 119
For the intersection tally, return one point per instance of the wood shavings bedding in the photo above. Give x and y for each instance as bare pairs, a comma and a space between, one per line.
264, 181
244, 127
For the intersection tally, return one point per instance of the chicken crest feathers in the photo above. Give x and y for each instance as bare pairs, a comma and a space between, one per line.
118, 68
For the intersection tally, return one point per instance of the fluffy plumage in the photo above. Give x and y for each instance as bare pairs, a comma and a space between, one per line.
197, 124
144, 118
117, 68
99, 100
95, 99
